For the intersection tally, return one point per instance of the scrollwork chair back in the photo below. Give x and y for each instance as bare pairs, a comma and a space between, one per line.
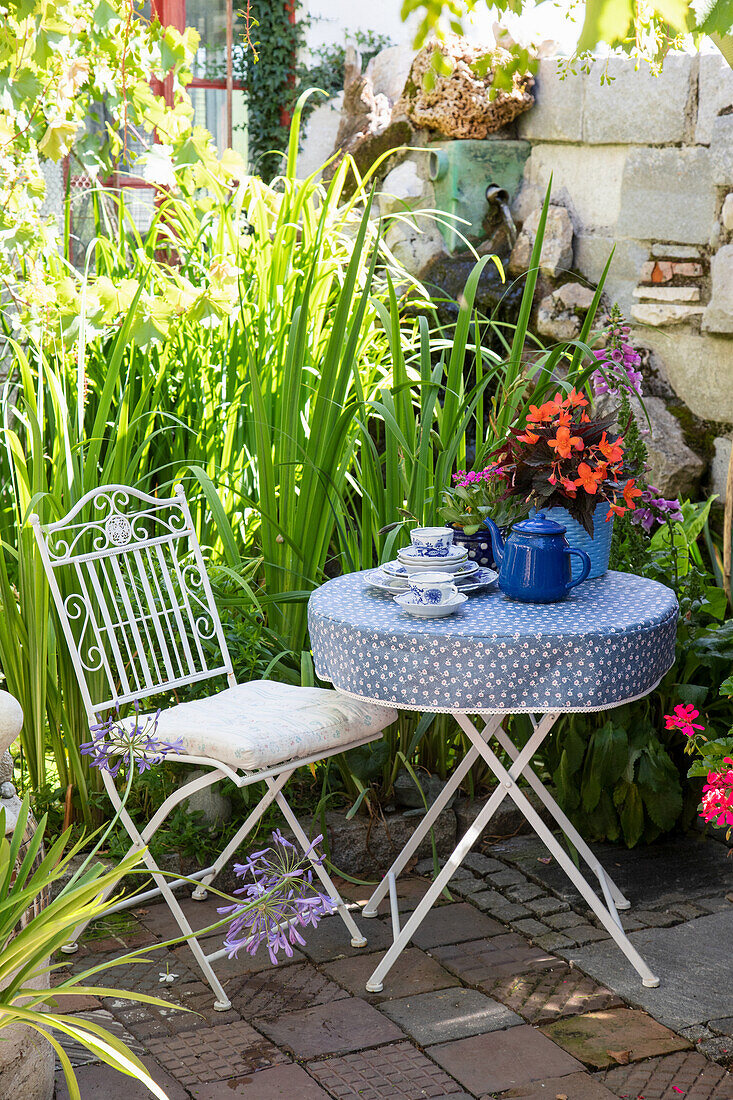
129, 582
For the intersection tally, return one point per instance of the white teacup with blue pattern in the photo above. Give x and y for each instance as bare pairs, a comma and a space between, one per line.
432, 542
432, 588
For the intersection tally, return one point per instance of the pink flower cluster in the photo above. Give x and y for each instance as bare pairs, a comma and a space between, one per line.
683, 719
717, 796
475, 477
618, 359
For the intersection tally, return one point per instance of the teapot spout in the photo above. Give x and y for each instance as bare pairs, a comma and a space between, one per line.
497, 542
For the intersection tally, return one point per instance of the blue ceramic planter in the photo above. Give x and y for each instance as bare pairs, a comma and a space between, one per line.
597, 548
478, 546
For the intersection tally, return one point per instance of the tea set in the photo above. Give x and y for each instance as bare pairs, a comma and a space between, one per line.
432, 577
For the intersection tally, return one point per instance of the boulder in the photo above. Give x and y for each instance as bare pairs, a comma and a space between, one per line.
720, 465
560, 315
718, 316
727, 213
557, 246
388, 71
458, 104
414, 240
673, 468
215, 807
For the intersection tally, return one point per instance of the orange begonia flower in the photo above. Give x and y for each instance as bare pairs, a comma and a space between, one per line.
564, 442
569, 487
612, 452
615, 510
542, 414
588, 478
528, 437
564, 419
630, 492
576, 400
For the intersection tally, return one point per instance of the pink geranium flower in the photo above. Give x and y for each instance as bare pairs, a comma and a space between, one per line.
717, 796
683, 719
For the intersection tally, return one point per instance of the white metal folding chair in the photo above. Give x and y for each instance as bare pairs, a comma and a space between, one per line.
129, 582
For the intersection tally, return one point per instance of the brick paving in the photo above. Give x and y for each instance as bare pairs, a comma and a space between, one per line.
480, 1007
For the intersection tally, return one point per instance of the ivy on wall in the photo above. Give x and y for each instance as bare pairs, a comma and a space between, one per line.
273, 74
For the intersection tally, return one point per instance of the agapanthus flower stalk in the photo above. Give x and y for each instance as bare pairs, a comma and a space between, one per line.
280, 897
129, 741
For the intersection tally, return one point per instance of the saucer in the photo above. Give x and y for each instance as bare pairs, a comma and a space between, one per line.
411, 555
399, 569
482, 578
430, 610
385, 582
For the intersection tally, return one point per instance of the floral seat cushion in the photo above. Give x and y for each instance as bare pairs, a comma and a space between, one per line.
262, 723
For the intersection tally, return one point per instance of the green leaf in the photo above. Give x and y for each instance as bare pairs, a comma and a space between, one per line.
366, 761
631, 814
605, 21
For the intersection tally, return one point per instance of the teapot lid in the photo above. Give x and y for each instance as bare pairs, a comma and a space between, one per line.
539, 524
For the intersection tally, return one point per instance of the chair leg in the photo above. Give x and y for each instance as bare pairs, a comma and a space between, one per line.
357, 937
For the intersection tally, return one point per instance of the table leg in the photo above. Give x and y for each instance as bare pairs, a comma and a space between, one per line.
376, 982
567, 827
508, 779
426, 823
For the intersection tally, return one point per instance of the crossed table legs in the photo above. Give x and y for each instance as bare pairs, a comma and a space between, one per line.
508, 785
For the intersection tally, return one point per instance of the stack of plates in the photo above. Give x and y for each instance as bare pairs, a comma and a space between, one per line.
393, 577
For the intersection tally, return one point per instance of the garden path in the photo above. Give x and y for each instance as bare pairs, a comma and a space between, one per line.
510, 990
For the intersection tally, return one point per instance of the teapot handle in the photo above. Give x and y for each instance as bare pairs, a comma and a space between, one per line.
585, 570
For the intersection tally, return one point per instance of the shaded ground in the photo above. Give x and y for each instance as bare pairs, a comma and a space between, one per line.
509, 990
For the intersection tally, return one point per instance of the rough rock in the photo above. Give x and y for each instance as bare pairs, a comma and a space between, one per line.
668, 195
415, 241
668, 293
723, 444
458, 104
407, 795
560, 315
699, 371
727, 213
718, 316
721, 151
388, 71
368, 125
674, 468
657, 314
215, 807
557, 246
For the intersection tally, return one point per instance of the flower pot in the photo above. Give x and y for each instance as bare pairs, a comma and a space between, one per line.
597, 548
478, 546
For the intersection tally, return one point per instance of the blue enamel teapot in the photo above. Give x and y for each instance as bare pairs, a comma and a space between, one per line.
534, 563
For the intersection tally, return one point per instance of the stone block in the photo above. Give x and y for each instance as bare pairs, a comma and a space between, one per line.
449, 1014
591, 256
586, 180
726, 215
687, 271
721, 151
715, 93
720, 464
699, 369
668, 293
719, 313
597, 1037
668, 194
637, 107
658, 314
674, 251
557, 246
557, 114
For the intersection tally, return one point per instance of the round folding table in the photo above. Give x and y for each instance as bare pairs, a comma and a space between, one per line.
608, 643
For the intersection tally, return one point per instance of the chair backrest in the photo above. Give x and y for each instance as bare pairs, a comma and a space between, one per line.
130, 586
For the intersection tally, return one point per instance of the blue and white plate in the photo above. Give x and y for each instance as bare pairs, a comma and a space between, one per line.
459, 569
386, 582
482, 579
429, 610
412, 555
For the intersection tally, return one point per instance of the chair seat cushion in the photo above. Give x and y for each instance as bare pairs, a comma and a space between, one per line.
256, 725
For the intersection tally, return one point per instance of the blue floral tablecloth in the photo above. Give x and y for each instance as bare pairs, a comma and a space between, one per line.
610, 641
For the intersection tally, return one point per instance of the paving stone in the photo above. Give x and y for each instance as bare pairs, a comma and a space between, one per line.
576, 1086
399, 1072
413, 972
544, 906
525, 891
686, 1074
713, 905
718, 1048
503, 1060
80, 1055
507, 877
547, 995
530, 927
278, 1083
146, 1021
233, 971
554, 941
410, 891
687, 911
566, 919
483, 962
684, 997
596, 1038
100, 1082
695, 1032
481, 864
145, 977
330, 940
723, 1026
454, 923
336, 1028
631, 923
655, 918
587, 933
215, 1053
491, 901
159, 920
449, 1014
273, 992
77, 1003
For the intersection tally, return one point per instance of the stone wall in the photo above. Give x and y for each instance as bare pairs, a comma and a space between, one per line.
643, 165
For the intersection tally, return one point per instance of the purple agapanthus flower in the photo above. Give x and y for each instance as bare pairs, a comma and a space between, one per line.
279, 898
652, 508
131, 742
